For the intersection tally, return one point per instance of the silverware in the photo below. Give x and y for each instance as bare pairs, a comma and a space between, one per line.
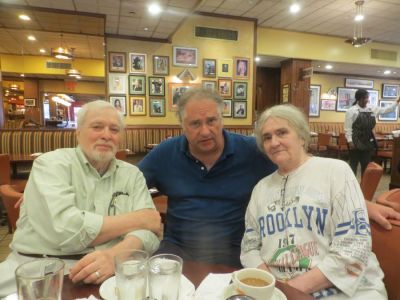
240, 297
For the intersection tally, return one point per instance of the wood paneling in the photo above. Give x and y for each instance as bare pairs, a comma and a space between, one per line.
267, 88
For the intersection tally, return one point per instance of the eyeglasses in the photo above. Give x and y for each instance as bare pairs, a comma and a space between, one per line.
111, 206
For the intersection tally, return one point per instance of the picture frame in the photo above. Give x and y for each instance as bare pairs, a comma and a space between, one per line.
117, 62
240, 90
116, 83
240, 109
225, 87
285, 93
184, 56
328, 104
225, 68
29, 101
209, 84
137, 63
390, 116
227, 110
157, 107
175, 90
119, 102
209, 67
156, 86
390, 90
137, 106
137, 84
345, 98
160, 65
242, 67
373, 98
358, 83
315, 95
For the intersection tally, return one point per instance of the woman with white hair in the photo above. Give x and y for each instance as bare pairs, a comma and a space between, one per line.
307, 222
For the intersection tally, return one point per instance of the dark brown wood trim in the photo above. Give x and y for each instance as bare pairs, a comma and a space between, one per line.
356, 75
253, 117
208, 14
58, 32
137, 38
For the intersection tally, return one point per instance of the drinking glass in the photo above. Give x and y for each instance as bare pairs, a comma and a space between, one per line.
131, 274
40, 279
165, 277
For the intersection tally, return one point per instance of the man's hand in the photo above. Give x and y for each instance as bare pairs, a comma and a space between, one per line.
150, 219
94, 267
383, 215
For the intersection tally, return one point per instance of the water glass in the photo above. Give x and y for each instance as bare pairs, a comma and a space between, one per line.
165, 277
40, 279
131, 274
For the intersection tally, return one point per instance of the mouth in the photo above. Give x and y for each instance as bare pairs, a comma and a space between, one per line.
104, 147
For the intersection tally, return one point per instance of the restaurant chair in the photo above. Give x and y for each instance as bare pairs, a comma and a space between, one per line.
9, 197
390, 198
341, 147
323, 142
121, 154
384, 152
370, 180
386, 245
5, 173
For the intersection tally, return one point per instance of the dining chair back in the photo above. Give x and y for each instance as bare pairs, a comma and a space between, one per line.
370, 180
9, 197
121, 154
5, 169
390, 198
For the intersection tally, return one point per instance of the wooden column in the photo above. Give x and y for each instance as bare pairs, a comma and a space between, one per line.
299, 87
267, 85
31, 91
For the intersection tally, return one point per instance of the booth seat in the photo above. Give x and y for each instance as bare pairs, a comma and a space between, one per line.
338, 127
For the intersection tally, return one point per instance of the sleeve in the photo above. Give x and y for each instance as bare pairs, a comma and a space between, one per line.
348, 125
51, 208
141, 200
149, 165
350, 248
383, 110
250, 254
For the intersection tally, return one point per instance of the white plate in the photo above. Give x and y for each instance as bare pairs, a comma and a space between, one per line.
277, 295
107, 289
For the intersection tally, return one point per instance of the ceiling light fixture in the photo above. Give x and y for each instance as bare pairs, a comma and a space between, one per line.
294, 8
73, 73
358, 40
257, 59
42, 50
61, 52
329, 67
31, 38
154, 9
387, 72
24, 17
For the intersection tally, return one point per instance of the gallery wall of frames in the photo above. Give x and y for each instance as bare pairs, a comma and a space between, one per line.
145, 79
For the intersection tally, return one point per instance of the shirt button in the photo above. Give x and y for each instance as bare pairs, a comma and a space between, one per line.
202, 168
197, 161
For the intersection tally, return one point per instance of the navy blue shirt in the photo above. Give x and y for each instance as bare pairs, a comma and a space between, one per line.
206, 208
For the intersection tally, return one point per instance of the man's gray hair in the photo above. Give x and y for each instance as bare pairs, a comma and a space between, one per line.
97, 105
197, 94
292, 114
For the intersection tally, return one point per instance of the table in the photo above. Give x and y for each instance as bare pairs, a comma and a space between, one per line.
194, 271
19, 159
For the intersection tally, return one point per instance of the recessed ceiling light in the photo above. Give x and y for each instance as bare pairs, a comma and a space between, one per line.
257, 59
328, 67
319, 66
22, 75
146, 28
31, 38
24, 17
387, 72
294, 8
42, 50
358, 18
154, 9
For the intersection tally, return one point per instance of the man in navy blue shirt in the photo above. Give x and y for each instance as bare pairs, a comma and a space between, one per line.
208, 175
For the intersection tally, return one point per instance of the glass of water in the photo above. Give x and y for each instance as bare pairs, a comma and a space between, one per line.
131, 274
165, 277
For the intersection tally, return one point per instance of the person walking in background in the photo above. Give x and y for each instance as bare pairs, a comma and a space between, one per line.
358, 127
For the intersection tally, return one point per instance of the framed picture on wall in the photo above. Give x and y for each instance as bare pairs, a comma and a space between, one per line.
119, 102
359, 83
117, 62
209, 84
157, 107
137, 106
225, 67
315, 93
175, 91
239, 90
328, 104
373, 98
137, 63
227, 111
160, 65
242, 68
285, 93
390, 116
30, 102
225, 87
390, 90
240, 109
137, 84
156, 86
185, 57
209, 67
345, 98
116, 84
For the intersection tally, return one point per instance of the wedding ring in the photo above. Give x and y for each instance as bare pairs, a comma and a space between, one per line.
97, 274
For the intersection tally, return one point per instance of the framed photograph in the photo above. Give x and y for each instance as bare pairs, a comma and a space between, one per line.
185, 57
242, 67
116, 84
137, 106
160, 65
225, 67
137, 63
119, 102
345, 98
390, 90
157, 107
30, 102
390, 116
315, 93
137, 84
209, 84
156, 86
209, 67
359, 83
373, 98
285, 93
175, 91
328, 104
227, 111
225, 87
239, 109
117, 62
239, 90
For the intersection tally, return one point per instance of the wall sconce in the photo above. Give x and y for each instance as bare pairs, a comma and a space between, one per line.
186, 75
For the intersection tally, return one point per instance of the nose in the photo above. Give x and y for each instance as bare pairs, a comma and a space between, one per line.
274, 141
204, 130
106, 134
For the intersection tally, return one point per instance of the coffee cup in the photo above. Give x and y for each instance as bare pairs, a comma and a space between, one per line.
256, 283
